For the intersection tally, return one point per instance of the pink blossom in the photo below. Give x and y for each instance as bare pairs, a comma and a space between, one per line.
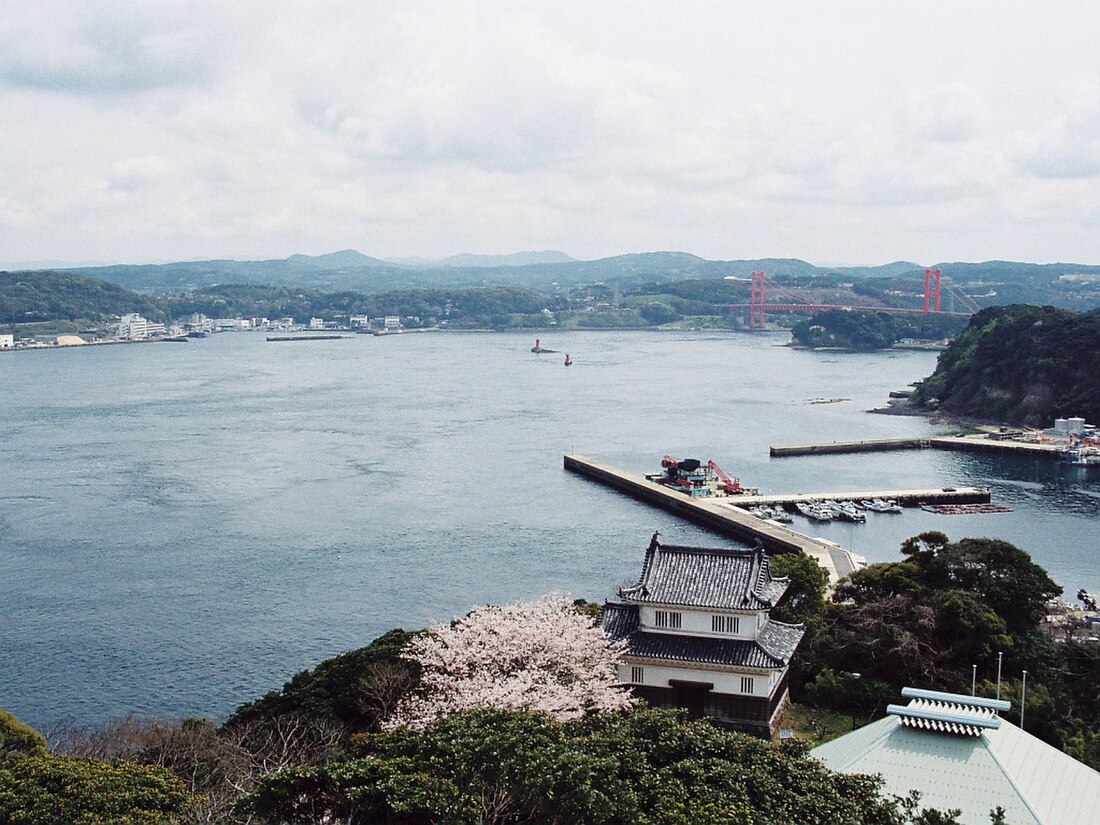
542, 655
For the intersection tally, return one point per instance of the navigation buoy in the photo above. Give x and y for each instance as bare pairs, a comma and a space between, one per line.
568, 360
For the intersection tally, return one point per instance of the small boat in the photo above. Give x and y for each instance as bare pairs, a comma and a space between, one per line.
780, 515
816, 512
568, 360
848, 512
880, 506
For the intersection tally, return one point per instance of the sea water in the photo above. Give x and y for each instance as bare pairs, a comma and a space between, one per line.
184, 527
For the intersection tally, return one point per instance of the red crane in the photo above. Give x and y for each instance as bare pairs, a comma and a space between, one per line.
732, 485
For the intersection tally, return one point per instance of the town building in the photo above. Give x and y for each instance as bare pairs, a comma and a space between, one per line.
958, 752
391, 322
196, 322
7, 341
699, 636
133, 327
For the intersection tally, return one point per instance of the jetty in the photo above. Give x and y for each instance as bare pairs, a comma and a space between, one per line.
972, 443
285, 338
906, 498
721, 515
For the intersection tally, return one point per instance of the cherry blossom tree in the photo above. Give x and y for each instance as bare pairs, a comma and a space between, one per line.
541, 655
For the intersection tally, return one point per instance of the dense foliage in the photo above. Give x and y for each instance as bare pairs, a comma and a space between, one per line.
646, 766
499, 307
355, 690
872, 330
925, 620
42, 789
1019, 364
27, 297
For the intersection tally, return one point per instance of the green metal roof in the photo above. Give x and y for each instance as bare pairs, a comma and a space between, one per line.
975, 772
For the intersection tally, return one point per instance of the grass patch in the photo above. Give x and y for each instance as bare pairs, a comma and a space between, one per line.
817, 726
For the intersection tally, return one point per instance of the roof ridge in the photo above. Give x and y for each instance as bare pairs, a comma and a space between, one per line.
791, 625
718, 551
1007, 774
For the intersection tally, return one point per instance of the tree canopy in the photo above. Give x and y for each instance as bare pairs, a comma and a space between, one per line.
1019, 364
519, 766
39, 788
925, 620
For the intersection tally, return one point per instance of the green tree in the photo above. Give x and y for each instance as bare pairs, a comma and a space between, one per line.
645, 766
356, 689
17, 737
41, 789
927, 619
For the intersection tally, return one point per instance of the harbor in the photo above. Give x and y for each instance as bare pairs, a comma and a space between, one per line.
728, 513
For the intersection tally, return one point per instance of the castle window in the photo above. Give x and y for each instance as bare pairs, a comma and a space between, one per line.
725, 624
637, 675
667, 618
746, 684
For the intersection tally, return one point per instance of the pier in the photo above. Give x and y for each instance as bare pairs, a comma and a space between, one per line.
975, 443
721, 515
727, 514
907, 498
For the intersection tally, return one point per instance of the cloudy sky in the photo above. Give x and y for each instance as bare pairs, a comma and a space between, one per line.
837, 132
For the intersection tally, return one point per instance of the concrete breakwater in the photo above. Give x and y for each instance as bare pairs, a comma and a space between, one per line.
721, 515
727, 514
975, 443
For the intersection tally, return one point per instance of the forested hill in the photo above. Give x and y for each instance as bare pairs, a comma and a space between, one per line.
1020, 364
28, 297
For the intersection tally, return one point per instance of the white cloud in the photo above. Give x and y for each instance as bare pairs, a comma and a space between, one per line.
843, 131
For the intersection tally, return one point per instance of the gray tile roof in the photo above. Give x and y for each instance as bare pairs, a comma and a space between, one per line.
773, 647
706, 577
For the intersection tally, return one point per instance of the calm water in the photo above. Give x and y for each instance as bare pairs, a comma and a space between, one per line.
182, 528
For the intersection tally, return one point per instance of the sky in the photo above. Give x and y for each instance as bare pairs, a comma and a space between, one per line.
837, 132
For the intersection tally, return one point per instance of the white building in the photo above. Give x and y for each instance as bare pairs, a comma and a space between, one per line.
316, 323
699, 635
7, 341
392, 322
133, 327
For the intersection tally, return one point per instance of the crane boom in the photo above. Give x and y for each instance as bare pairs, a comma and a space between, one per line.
732, 485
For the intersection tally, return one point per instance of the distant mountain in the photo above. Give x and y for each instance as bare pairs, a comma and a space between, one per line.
345, 259
487, 261
1075, 286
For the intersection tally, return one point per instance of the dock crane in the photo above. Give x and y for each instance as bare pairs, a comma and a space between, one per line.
731, 485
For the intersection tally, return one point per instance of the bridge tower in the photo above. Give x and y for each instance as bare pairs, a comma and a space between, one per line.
932, 289
756, 300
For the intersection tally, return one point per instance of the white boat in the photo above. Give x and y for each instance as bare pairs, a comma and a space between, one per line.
817, 512
880, 506
848, 512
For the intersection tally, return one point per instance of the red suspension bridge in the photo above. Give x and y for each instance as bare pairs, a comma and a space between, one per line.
933, 286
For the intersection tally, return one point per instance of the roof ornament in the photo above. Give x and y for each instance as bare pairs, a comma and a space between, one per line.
653, 543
